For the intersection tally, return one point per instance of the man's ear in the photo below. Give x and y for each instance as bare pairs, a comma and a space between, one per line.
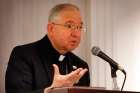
49, 27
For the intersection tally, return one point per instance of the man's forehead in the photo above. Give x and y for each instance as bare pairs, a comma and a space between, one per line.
72, 16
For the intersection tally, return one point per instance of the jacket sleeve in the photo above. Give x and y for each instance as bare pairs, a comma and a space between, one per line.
19, 76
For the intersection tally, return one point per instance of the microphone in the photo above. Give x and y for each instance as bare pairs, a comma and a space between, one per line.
97, 52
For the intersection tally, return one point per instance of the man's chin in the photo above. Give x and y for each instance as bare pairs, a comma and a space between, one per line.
72, 48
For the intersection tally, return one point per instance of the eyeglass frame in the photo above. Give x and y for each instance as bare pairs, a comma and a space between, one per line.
71, 26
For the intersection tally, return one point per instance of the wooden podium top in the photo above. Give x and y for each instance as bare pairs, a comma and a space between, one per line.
86, 90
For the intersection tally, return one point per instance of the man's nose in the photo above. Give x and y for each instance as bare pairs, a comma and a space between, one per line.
76, 33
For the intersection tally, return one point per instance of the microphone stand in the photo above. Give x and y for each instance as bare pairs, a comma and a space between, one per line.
114, 76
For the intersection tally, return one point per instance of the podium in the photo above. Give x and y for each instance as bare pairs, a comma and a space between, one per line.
86, 90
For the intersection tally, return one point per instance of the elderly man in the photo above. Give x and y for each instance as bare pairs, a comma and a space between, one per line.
48, 63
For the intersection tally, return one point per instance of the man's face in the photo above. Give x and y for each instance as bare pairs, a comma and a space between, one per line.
65, 32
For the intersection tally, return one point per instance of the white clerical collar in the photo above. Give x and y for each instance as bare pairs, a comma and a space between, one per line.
61, 58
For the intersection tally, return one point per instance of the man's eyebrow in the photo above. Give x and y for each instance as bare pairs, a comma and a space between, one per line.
70, 21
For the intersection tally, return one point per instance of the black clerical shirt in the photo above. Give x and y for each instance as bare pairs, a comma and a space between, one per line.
30, 67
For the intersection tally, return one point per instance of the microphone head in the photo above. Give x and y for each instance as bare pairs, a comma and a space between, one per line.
95, 50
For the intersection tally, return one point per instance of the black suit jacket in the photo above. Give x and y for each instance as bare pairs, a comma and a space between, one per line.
30, 67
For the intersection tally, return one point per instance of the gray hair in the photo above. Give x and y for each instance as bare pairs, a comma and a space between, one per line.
58, 8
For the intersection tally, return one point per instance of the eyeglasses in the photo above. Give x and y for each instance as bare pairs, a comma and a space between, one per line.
72, 26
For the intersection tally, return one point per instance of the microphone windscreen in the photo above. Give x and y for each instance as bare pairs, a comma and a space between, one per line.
95, 50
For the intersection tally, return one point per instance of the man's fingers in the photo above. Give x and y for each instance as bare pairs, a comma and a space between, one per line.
56, 69
83, 72
76, 72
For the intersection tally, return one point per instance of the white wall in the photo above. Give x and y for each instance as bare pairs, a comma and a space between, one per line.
126, 27
115, 29
100, 26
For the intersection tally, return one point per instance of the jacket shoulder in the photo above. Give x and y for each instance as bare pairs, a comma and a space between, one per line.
26, 48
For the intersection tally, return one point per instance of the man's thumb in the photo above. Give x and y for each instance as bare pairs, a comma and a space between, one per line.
56, 69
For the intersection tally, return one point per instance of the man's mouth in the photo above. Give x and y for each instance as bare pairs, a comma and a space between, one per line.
74, 42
